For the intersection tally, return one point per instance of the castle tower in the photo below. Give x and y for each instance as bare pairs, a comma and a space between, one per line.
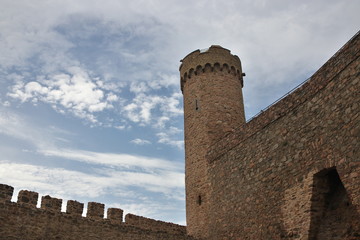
211, 82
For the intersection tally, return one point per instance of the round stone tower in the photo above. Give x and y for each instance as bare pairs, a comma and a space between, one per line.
211, 82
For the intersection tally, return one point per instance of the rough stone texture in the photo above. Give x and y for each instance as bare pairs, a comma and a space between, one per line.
51, 204
95, 210
115, 215
293, 172
74, 207
6, 193
212, 107
26, 197
23, 221
154, 225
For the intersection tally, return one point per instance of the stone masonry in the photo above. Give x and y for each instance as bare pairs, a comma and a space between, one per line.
24, 221
292, 172
211, 83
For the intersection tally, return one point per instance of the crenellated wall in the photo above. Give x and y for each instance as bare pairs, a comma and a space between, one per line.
23, 220
291, 173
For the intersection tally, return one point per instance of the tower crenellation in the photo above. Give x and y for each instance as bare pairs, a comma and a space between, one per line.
214, 58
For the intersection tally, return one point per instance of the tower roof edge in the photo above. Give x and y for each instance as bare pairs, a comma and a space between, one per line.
215, 54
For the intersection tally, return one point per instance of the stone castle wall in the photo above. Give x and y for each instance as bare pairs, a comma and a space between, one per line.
293, 172
23, 220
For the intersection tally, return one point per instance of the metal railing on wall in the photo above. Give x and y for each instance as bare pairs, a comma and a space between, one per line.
279, 99
299, 85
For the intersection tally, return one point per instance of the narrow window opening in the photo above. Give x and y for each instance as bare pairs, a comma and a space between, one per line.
199, 201
196, 105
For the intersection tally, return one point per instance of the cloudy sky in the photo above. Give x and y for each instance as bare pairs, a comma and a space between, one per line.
90, 103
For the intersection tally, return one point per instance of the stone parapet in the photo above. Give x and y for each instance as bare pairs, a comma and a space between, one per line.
23, 220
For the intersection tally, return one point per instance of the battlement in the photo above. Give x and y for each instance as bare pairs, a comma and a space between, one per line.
216, 58
291, 172
26, 209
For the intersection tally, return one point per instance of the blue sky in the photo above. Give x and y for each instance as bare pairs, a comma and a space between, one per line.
90, 103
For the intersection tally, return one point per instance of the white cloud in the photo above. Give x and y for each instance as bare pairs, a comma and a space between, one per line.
75, 92
139, 141
141, 47
55, 181
170, 137
121, 127
64, 183
139, 87
110, 170
111, 97
161, 122
46, 141
164, 81
141, 109
113, 159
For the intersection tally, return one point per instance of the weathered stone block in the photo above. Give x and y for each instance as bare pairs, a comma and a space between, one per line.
28, 198
115, 214
95, 210
51, 204
6, 192
74, 207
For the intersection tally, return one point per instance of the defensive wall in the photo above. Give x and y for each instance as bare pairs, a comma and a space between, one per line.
23, 220
293, 172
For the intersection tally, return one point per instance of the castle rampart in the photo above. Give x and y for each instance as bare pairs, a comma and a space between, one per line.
293, 172
290, 173
341, 59
23, 220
